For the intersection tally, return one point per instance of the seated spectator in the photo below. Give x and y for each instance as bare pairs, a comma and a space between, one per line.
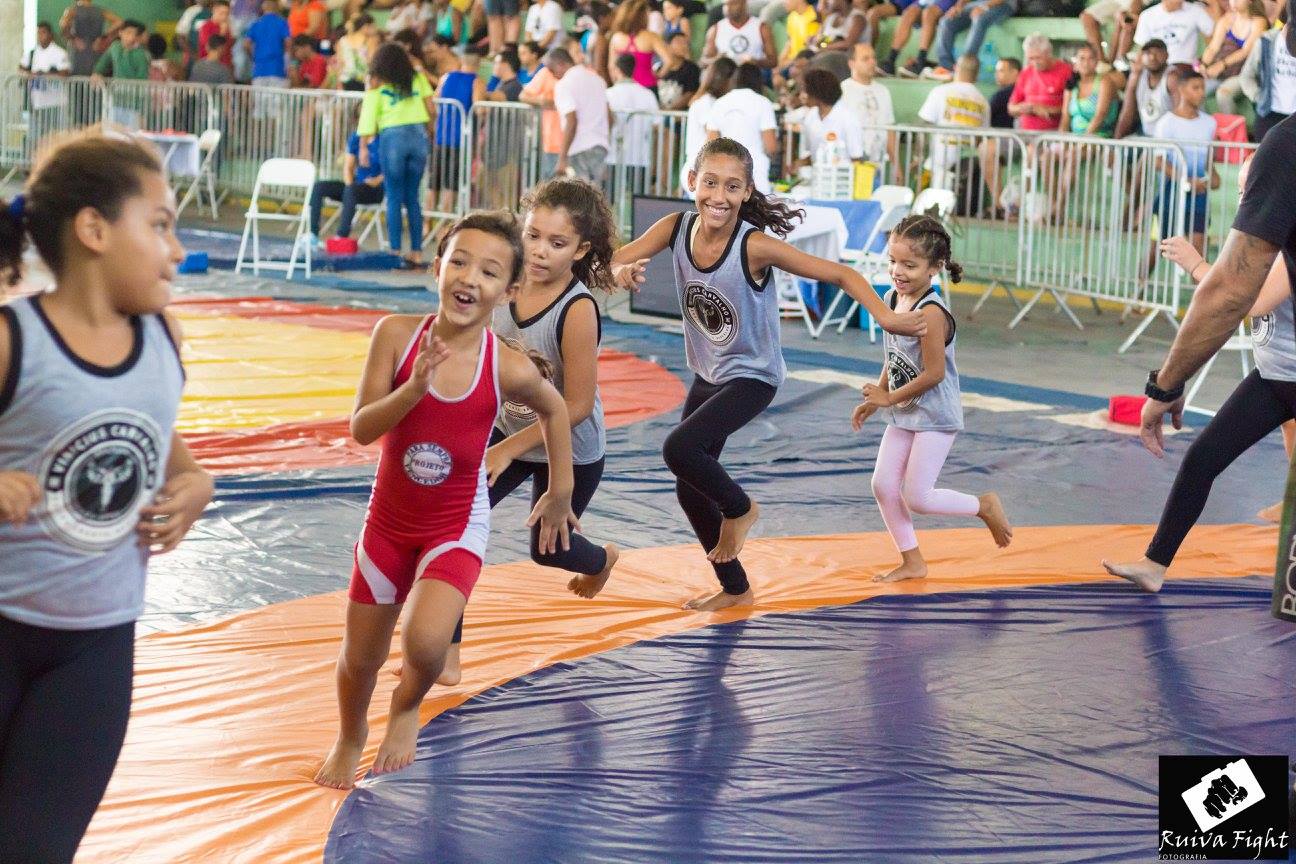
741, 37
354, 50
48, 57
1037, 96
1178, 24
718, 82
979, 16
505, 85
219, 22
1275, 98
308, 17
544, 24
1007, 71
631, 37
788, 83
631, 103
529, 55
450, 21
465, 87
210, 69
828, 114
679, 78
802, 25
360, 184
1091, 103
1237, 33
1122, 15
126, 58
409, 15
957, 103
745, 115
871, 102
843, 27
879, 13
929, 13
676, 21
268, 38
309, 68
1147, 93
1186, 123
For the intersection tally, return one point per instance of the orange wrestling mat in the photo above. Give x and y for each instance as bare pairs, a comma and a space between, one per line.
231, 720
272, 383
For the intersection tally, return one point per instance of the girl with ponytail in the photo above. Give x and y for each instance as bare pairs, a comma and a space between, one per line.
918, 395
723, 265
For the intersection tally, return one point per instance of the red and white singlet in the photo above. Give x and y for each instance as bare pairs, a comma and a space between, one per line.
429, 514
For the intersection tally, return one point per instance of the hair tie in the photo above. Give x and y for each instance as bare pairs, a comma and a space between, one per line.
18, 207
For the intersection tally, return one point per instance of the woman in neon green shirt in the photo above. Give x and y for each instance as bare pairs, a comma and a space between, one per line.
395, 109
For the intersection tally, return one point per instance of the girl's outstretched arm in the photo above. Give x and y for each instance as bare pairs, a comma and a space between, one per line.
629, 261
764, 251
520, 381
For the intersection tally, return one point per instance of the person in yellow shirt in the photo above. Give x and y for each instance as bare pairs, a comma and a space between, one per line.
802, 24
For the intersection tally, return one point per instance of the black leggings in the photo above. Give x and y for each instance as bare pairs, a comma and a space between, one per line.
706, 492
65, 698
582, 556
1256, 408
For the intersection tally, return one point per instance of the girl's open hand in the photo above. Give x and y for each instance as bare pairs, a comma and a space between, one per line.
630, 276
431, 354
876, 397
912, 323
179, 503
19, 493
557, 521
862, 412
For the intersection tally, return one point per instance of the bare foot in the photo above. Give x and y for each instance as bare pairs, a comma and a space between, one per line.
720, 600
451, 673
397, 748
733, 534
907, 570
339, 768
1272, 513
993, 515
589, 586
1146, 574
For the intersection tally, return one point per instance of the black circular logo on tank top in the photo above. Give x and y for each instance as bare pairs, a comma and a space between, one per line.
1262, 330
711, 313
900, 371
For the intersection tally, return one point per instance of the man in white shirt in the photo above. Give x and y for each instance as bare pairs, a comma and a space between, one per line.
958, 103
746, 116
47, 58
741, 37
631, 104
581, 100
544, 23
1178, 25
871, 103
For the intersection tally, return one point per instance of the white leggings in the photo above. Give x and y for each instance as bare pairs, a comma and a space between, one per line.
904, 481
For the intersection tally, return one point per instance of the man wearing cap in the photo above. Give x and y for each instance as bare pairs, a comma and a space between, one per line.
1264, 228
1147, 93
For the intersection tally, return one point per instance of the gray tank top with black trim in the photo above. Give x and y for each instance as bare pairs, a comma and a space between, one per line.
940, 409
543, 334
1274, 337
731, 324
97, 440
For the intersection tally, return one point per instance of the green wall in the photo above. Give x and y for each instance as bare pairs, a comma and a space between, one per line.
147, 11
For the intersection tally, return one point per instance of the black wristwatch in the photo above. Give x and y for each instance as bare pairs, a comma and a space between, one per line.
1152, 391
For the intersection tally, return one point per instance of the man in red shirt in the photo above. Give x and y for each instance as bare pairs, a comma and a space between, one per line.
311, 68
1037, 97
219, 22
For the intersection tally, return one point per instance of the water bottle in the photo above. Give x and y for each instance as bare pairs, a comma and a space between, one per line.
834, 175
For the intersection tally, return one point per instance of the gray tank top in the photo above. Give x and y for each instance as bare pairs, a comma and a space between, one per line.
1152, 101
543, 334
97, 440
1274, 337
731, 324
88, 24
940, 409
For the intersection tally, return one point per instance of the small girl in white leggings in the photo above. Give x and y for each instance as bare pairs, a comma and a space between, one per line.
918, 394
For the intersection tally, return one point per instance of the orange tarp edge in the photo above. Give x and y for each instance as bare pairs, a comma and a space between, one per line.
231, 719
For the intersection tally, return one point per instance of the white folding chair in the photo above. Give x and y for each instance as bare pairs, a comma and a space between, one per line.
895, 202
206, 176
1240, 343
375, 214
279, 174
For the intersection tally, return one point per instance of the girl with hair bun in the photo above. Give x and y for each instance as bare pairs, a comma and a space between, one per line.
93, 477
918, 395
723, 268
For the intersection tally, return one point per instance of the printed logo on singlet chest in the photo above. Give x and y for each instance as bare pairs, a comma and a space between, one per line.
427, 464
901, 369
520, 412
96, 477
739, 44
711, 313
1262, 330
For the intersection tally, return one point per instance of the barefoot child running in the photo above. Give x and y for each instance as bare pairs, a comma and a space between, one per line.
93, 477
918, 395
567, 238
431, 389
723, 262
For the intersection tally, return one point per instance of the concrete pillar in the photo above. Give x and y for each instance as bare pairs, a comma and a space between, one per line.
19, 17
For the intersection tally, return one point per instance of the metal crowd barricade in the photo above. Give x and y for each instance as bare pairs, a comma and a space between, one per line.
449, 169
35, 107
259, 123
1226, 157
158, 106
505, 141
646, 158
